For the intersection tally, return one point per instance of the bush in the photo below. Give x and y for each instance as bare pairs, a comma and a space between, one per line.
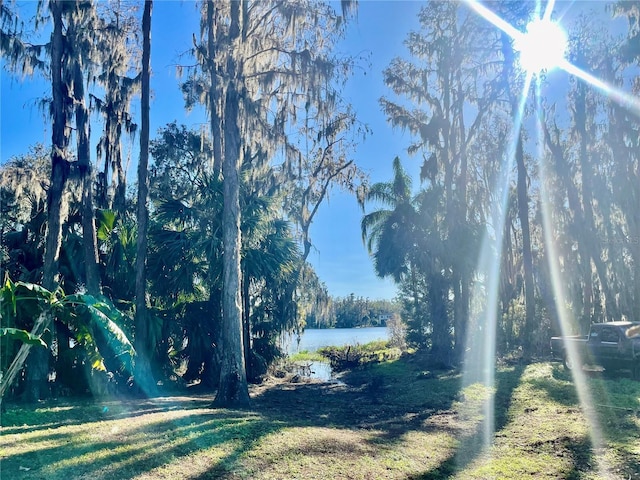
352, 356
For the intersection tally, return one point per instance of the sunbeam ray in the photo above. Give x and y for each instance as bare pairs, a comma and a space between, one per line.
566, 320
491, 17
481, 343
548, 10
630, 102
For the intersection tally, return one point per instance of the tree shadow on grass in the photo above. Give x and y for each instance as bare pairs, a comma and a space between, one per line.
383, 406
614, 412
119, 453
93, 444
473, 444
52, 414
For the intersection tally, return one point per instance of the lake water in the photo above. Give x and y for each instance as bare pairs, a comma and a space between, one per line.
314, 338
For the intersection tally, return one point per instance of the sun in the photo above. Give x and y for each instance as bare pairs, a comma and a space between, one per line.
542, 47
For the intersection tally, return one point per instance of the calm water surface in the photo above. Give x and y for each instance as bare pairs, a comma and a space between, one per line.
314, 338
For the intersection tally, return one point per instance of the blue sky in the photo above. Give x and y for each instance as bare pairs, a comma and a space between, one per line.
339, 255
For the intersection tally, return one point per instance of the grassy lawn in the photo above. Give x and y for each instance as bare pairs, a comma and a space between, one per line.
388, 421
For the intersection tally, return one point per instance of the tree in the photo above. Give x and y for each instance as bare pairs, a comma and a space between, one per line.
445, 92
79, 57
388, 232
143, 367
510, 76
391, 236
23, 182
118, 32
70, 53
39, 360
270, 60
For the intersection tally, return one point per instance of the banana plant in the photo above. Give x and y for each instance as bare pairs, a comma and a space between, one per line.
93, 322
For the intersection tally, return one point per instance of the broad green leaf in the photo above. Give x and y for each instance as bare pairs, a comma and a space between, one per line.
106, 220
89, 315
23, 336
7, 301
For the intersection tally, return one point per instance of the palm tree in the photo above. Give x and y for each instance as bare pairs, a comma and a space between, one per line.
186, 255
405, 243
389, 232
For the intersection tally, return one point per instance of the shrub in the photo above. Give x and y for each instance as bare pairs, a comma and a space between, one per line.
352, 356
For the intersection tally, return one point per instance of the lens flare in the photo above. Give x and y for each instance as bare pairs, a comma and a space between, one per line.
542, 47
629, 102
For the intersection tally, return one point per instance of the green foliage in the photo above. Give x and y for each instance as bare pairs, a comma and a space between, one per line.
351, 356
22, 336
185, 257
94, 323
352, 311
306, 356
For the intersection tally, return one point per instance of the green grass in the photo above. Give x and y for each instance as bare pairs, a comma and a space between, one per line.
306, 356
392, 420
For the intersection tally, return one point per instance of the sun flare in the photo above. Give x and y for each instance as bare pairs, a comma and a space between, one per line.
542, 47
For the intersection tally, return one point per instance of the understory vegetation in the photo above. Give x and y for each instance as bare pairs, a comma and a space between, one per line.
351, 356
392, 420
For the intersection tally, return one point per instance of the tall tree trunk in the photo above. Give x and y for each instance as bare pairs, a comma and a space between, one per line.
246, 325
214, 91
143, 373
527, 258
232, 390
38, 361
440, 338
89, 238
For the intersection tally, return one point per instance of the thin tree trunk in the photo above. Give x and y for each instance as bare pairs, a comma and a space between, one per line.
89, 238
440, 338
527, 258
38, 361
119, 194
214, 92
460, 327
246, 325
143, 373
